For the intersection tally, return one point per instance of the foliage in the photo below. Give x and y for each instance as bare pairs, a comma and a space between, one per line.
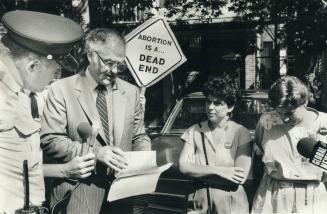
117, 10
304, 32
305, 21
202, 10
316, 80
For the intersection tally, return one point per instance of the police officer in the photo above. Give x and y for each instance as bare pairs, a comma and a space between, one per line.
30, 54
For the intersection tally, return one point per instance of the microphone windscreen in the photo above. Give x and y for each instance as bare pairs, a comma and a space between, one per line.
84, 130
305, 146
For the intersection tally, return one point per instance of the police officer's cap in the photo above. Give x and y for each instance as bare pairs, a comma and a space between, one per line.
41, 32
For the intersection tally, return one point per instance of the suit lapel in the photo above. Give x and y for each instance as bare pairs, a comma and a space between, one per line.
119, 110
85, 99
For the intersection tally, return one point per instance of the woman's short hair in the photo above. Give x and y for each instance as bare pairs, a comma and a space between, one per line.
288, 91
222, 87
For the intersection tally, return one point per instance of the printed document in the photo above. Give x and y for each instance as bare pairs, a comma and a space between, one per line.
140, 177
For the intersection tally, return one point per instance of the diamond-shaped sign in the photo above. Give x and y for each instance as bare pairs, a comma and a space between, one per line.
152, 52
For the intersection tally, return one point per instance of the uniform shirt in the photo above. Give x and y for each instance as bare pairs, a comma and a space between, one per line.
19, 141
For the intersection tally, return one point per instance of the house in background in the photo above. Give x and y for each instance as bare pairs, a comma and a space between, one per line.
212, 45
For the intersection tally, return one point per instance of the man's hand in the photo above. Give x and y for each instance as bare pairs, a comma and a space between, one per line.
235, 174
79, 167
113, 157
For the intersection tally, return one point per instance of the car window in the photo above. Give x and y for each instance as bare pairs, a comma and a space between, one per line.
191, 111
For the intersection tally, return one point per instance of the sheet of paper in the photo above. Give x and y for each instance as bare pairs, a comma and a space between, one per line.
135, 185
139, 162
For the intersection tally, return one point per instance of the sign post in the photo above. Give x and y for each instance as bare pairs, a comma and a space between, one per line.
152, 52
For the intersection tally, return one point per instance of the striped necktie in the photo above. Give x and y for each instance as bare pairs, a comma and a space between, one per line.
101, 104
34, 107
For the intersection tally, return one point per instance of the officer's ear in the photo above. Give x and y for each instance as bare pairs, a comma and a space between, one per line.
30, 66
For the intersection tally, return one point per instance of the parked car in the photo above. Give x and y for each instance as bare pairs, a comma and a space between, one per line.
173, 187
191, 110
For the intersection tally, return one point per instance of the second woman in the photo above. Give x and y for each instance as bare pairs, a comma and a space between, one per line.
218, 147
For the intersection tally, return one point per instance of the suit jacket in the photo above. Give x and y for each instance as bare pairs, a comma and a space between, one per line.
70, 103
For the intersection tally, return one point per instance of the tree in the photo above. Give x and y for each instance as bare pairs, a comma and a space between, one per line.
303, 32
186, 11
304, 21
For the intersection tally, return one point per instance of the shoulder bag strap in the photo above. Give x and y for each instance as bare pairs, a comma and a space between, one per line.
207, 163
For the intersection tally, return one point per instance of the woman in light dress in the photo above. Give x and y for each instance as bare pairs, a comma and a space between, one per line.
290, 183
218, 147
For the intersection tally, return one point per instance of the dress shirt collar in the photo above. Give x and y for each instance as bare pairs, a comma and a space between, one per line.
28, 92
93, 84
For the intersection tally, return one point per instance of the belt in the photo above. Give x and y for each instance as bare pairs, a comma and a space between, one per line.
295, 183
32, 210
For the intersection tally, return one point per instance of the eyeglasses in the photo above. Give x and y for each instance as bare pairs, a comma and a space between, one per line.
108, 63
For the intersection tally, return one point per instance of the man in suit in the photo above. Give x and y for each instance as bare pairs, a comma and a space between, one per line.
98, 97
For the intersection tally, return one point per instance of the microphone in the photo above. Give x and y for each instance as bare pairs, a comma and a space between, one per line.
314, 150
95, 132
84, 130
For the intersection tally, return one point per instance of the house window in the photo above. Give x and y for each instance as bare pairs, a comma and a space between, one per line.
266, 64
267, 53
